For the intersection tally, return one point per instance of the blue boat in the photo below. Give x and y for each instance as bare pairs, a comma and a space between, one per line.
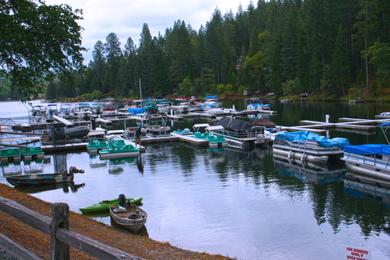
370, 162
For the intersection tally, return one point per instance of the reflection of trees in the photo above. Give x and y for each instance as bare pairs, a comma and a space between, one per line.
332, 204
186, 155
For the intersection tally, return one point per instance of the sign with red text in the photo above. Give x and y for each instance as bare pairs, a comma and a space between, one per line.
357, 254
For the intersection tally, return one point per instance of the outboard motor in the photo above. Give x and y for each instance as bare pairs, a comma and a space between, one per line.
122, 200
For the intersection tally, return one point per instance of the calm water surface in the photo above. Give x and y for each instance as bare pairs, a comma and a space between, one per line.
244, 205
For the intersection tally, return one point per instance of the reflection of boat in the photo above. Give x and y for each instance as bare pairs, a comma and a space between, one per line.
132, 218
104, 206
307, 147
95, 162
310, 172
362, 190
65, 186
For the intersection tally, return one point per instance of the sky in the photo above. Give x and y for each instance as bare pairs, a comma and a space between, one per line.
126, 17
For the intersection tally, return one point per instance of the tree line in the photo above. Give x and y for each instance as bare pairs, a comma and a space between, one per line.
286, 47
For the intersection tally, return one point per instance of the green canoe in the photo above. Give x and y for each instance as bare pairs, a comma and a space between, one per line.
104, 206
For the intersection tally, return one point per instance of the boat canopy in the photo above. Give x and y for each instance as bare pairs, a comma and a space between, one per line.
303, 136
367, 149
233, 124
215, 128
201, 125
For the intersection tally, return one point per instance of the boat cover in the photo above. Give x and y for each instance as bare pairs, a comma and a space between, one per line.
135, 110
232, 124
366, 149
211, 97
385, 124
303, 136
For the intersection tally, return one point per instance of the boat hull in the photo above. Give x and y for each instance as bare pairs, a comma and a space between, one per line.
133, 225
105, 156
39, 179
371, 172
298, 156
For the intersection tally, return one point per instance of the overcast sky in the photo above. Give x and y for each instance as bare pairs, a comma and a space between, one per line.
126, 17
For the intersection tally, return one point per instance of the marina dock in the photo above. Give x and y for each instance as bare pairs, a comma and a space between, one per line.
192, 140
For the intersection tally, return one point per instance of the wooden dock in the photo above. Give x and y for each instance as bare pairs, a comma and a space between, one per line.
354, 124
159, 139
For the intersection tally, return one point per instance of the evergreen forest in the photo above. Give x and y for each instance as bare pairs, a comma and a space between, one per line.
287, 47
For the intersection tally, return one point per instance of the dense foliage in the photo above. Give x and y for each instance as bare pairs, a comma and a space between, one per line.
36, 42
285, 47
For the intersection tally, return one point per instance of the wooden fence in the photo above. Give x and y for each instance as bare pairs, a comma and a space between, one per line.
61, 238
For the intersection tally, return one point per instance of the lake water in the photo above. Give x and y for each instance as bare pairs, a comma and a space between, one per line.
243, 205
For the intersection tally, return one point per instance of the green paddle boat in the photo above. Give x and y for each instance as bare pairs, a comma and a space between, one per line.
104, 206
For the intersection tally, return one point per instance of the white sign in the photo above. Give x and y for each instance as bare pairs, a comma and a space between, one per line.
357, 254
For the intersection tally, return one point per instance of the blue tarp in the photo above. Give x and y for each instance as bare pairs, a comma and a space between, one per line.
386, 124
256, 105
303, 136
211, 97
135, 110
367, 149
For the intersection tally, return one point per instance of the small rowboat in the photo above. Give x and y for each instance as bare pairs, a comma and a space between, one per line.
104, 206
132, 218
44, 179
40, 179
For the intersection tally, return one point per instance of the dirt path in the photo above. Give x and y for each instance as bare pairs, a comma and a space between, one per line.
39, 243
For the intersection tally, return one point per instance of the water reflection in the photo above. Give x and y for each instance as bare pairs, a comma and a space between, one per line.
309, 172
66, 187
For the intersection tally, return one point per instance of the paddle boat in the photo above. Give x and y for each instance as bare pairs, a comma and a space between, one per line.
43, 179
117, 149
104, 206
307, 147
95, 145
128, 215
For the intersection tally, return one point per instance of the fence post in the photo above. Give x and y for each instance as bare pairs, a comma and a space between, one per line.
58, 249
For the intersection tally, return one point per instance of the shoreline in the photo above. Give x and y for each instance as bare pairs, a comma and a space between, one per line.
39, 243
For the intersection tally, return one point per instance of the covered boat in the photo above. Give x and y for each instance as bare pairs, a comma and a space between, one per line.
239, 133
370, 162
255, 104
307, 146
104, 206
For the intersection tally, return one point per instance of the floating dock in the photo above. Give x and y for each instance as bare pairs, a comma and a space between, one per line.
192, 140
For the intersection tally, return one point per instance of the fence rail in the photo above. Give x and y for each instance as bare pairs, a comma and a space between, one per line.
61, 238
